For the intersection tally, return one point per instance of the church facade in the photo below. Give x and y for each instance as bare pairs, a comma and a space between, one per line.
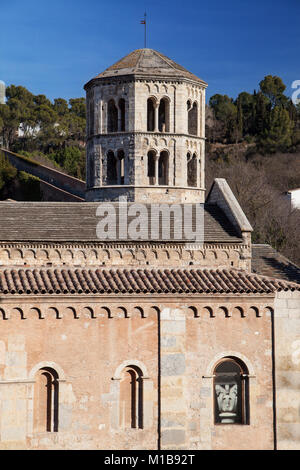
144, 342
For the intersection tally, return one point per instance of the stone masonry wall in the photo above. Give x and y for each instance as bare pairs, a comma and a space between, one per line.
176, 343
136, 141
110, 254
287, 361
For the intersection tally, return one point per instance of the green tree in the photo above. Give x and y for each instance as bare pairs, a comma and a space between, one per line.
240, 119
71, 159
61, 107
278, 133
273, 87
30, 187
262, 110
226, 112
246, 102
7, 171
78, 107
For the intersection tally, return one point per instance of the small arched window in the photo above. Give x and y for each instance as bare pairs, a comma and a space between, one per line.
151, 167
112, 117
122, 114
112, 173
150, 115
131, 398
231, 392
192, 118
163, 115
163, 168
191, 170
46, 401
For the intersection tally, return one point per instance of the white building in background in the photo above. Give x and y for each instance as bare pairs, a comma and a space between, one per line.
292, 198
28, 131
2, 92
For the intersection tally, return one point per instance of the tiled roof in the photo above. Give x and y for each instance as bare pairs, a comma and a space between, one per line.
148, 62
268, 262
77, 221
136, 281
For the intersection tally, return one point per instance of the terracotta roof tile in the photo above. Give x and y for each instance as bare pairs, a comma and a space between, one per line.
94, 280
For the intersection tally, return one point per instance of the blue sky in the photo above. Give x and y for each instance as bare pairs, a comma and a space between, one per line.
54, 47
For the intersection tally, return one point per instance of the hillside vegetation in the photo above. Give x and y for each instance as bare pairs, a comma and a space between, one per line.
254, 143
51, 133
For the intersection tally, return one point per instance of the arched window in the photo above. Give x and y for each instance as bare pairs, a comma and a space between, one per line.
112, 173
46, 400
231, 390
151, 167
163, 115
112, 117
131, 398
122, 114
192, 118
121, 167
191, 170
150, 115
163, 168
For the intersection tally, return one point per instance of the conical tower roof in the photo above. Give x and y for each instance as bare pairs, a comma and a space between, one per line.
146, 63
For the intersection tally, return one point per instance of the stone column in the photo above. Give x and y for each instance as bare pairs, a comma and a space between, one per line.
119, 119
156, 158
199, 170
156, 107
203, 114
119, 166
202, 147
199, 117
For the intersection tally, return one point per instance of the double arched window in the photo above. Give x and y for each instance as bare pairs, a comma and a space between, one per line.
158, 168
158, 115
115, 168
231, 392
116, 116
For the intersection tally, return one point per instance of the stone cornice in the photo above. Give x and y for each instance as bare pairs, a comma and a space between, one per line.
117, 244
147, 134
149, 186
114, 298
132, 78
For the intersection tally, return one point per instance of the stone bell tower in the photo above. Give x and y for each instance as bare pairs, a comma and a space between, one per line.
145, 131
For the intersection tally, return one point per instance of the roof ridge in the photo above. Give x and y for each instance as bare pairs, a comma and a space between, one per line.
165, 58
140, 56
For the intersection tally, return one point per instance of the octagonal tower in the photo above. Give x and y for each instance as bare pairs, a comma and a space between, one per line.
145, 131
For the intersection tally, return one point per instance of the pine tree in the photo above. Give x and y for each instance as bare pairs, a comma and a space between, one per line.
277, 136
240, 118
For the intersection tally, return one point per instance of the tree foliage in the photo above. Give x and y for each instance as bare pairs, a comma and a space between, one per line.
7, 171
33, 124
267, 117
